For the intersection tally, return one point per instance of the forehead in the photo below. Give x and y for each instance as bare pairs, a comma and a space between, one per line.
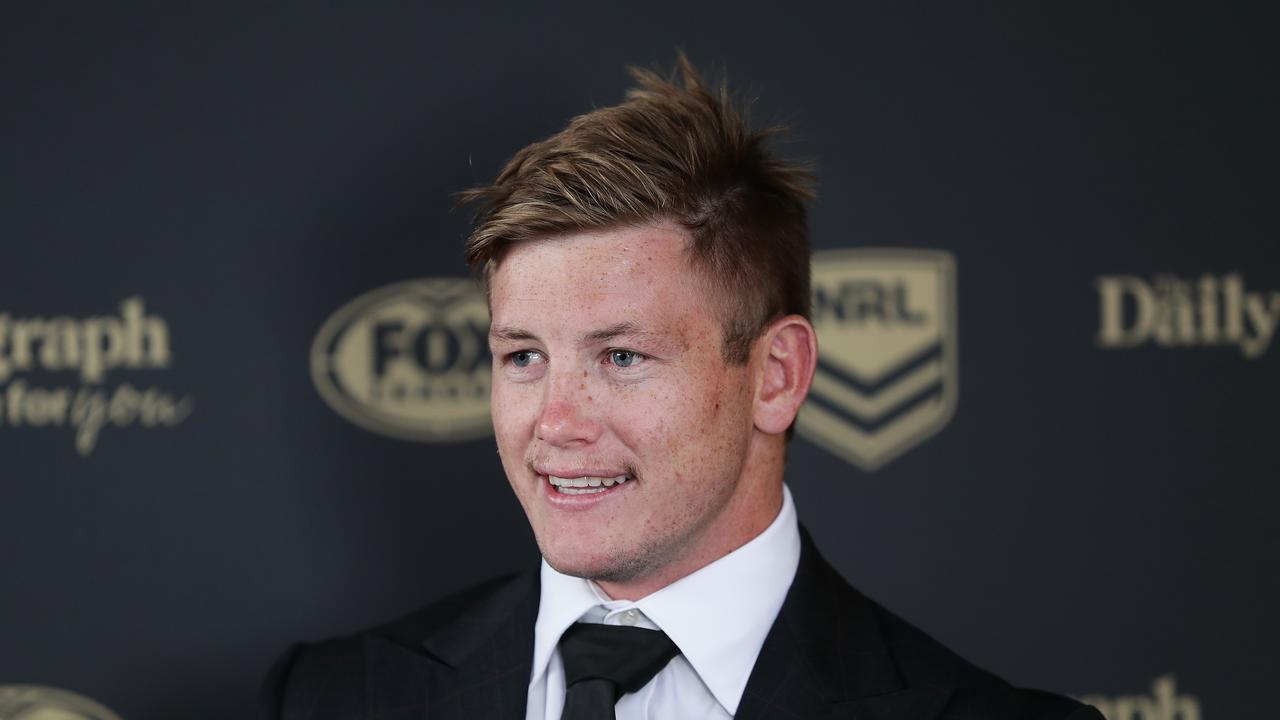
632, 274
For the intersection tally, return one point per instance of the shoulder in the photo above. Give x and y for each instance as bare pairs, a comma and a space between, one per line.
861, 650
327, 678
975, 693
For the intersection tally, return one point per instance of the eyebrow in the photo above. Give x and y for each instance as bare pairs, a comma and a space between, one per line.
507, 333
613, 331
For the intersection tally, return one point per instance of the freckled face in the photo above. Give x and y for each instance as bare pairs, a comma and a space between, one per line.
608, 369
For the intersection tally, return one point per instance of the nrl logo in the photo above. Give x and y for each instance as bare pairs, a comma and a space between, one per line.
887, 370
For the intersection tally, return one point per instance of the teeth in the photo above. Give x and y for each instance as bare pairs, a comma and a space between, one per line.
580, 491
585, 485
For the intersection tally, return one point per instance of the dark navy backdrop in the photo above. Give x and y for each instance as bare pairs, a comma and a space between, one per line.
1090, 520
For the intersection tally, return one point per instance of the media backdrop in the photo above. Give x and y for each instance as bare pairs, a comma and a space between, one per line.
243, 378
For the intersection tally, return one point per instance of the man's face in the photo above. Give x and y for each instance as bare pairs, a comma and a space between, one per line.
608, 373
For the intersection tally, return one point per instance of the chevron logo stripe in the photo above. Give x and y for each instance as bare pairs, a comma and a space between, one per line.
829, 431
831, 377
872, 425
871, 386
872, 413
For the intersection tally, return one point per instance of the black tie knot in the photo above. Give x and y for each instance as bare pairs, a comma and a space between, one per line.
604, 662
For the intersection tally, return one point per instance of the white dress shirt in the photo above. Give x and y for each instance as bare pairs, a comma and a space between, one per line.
718, 617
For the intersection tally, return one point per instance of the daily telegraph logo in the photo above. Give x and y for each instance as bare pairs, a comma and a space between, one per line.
57, 372
1170, 311
887, 364
33, 702
1164, 703
409, 360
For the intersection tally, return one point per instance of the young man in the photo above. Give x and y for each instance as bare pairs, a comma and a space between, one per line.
647, 274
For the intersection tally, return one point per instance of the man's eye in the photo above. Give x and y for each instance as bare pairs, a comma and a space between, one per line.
624, 358
524, 358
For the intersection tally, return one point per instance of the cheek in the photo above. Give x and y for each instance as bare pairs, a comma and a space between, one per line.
638, 417
720, 393
674, 413
725, 412
513, 418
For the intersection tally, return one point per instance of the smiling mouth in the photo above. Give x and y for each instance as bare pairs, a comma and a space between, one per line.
585, 485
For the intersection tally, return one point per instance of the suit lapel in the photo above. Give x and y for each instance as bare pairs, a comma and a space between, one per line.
825, 656
471, 659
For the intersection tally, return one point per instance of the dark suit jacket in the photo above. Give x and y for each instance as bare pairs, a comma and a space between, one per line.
831, 653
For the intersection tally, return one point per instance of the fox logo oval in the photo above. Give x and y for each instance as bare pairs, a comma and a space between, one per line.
34, 702
409, 360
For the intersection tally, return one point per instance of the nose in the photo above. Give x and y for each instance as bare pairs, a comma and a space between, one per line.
568, 417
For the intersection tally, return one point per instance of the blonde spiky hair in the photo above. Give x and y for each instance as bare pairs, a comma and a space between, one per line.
672, 150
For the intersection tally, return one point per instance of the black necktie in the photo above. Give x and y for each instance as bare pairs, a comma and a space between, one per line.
603, 662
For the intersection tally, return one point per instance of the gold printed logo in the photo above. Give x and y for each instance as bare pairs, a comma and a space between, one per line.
32, 702
59, 372
1170, 311
409, 360
1164, 703
887, 372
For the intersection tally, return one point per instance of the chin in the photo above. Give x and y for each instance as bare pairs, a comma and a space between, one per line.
618, 565
572, 561
589, 565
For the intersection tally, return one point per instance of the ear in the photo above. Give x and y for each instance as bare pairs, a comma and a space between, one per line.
789, 351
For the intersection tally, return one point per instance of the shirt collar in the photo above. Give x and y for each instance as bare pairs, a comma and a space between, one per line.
718, 616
